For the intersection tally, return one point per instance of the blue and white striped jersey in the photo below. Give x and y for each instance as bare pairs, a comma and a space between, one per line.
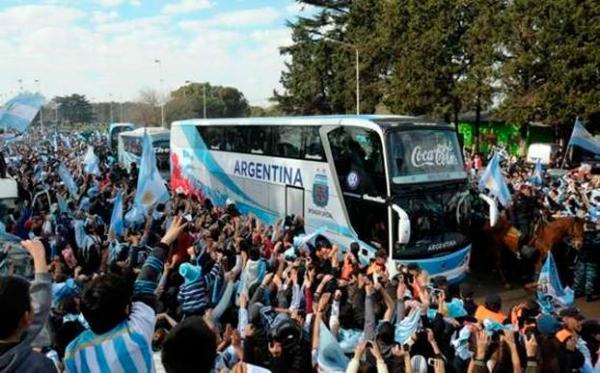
127, 348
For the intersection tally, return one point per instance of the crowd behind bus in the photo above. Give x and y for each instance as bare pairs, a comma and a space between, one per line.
202, 288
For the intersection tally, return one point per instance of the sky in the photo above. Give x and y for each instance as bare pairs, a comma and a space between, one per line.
106, 49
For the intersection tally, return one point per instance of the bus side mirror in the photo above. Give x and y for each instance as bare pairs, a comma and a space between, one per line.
493, 209
403, 225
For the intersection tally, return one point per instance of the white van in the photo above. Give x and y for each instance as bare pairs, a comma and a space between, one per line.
544, 152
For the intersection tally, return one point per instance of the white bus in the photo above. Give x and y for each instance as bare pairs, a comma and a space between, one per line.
113, 133
389, 182
131, 144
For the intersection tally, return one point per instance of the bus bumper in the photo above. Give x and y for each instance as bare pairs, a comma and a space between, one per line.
453, 266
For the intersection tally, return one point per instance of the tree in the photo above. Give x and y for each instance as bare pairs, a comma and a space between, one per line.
74, 108
221, 102
552, 53
321, 77
146, 111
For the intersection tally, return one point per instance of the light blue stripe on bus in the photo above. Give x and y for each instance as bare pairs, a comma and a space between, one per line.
215, 170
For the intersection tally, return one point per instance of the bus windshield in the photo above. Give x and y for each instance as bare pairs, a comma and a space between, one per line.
424, 155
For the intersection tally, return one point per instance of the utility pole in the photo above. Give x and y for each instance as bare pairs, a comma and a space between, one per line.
162, 104
204, 99
111, 108
37, 81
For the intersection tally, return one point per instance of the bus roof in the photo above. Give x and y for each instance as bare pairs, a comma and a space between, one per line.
152, 131
122, 124
383, 121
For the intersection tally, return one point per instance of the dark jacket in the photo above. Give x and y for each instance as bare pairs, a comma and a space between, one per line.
21, 358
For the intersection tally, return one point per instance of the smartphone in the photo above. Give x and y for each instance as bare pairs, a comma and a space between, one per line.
188, 217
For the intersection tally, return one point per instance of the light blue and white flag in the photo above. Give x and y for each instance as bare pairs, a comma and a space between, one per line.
151, 188
66, 141
116, 219
582, 138
550, 292
537, 177
301, 240
55, 141
67, 179
493, 180
90, 162
330, 356
20, 111
406, 328
63, 207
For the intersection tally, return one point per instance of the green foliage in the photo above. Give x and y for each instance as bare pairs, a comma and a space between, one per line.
74, 108
221, 102
528, 60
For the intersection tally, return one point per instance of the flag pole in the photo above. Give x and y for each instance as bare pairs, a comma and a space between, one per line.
564, 160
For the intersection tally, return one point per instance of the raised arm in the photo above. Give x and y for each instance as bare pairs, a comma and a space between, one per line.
147, 281
40, 290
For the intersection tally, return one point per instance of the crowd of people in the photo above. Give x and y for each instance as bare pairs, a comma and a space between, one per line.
201, 288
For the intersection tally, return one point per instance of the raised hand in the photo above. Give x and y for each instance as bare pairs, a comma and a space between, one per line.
177, 226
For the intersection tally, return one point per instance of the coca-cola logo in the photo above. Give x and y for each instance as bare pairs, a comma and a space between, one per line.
441, 155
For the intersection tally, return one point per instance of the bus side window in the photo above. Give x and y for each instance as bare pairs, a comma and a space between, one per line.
313, 148
287, 141
259, 139
235, 139
212, 136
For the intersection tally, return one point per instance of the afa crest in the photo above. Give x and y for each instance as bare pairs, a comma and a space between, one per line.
320, 192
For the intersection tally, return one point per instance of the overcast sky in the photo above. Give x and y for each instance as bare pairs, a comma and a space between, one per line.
108, 47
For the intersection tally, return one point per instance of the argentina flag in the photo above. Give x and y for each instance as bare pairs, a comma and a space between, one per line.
493, 181
19, 111
67, 179
90, 162
116, 219
330, 356
151, 188
582, 138
537, 177
550, 292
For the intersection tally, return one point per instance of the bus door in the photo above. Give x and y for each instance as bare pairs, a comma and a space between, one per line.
357, 155
294, 201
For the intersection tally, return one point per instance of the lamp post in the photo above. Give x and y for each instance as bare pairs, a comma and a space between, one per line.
357, 58
111, 108
39, 90
204, 99
162, 104
20, 85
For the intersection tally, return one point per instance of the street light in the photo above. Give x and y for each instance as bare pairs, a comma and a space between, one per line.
20, 85
162, 104
111, 109
348, 45
39, 90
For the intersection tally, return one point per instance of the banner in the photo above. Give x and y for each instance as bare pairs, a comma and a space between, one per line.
493, 180
19, 112
582, 138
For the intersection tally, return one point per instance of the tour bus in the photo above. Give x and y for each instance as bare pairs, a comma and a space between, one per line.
131, 144
386, 182
113, 133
